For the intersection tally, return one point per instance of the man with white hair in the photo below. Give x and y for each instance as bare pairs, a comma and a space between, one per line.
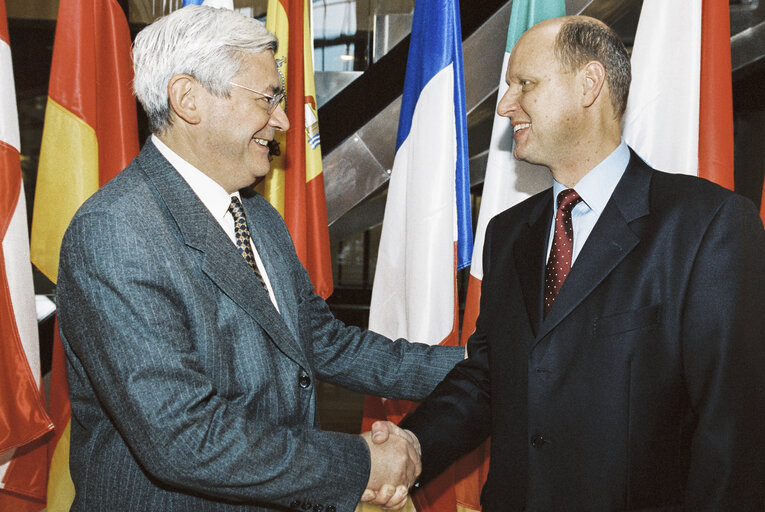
192, 334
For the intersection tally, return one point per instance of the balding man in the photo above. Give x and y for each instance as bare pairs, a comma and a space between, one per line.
618, 361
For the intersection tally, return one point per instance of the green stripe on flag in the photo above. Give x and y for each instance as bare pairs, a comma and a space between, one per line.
527, 13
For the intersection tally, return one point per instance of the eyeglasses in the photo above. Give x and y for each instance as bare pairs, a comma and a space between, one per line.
273, 101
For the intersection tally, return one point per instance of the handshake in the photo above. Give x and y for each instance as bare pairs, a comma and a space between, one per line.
395, 455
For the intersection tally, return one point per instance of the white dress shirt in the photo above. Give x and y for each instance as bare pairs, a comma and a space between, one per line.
595, 189
216, 200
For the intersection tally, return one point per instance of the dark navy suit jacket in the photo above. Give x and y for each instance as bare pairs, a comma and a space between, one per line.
644, 387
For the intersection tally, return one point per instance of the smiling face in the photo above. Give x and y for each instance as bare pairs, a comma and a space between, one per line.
236, 130
541, 101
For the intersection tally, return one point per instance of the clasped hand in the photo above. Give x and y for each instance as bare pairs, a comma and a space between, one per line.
395, 466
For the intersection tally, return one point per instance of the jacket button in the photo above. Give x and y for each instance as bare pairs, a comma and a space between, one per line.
304, 381
318, 508
538, 441
331, 508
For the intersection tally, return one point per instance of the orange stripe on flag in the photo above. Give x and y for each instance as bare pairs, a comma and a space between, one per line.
4, 24
716, 95
472, 308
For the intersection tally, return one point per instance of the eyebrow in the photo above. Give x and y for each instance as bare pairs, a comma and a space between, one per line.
276, 89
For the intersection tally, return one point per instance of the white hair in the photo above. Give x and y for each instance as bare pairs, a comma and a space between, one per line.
203, 42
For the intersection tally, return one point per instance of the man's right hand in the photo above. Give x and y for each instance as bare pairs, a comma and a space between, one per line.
395, 464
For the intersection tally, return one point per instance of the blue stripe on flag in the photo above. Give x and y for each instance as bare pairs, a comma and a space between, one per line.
462, 174
436, 42
191, 2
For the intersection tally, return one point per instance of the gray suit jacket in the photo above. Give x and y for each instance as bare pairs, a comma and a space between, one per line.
189, 391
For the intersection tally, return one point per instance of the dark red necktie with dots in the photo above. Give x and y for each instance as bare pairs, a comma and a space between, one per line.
242, 235
562, 248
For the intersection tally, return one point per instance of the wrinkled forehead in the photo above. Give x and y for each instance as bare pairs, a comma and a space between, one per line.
261, 70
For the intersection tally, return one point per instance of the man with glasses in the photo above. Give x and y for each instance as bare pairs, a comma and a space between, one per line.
193, 337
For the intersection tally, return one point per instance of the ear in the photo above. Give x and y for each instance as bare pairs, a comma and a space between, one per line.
593, 77
182, 93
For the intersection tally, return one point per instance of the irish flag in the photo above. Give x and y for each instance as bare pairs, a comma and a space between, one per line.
295, 185
427, 231
90, 134
507, 182
23, 420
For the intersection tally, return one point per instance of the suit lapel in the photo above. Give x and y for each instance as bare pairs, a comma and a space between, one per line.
610, 241
221, 261
529, 253
273, 258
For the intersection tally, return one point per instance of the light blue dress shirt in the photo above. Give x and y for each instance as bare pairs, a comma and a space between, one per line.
595, 189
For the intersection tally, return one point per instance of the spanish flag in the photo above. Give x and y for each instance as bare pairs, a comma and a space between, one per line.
23, 419
295, 185
90, 134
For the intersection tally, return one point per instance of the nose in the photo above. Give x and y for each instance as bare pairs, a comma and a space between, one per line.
279, 119
508, 104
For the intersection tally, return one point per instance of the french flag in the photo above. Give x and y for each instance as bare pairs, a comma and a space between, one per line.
427, 231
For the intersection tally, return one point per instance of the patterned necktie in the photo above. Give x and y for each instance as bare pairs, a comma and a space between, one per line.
242, 236
559, 262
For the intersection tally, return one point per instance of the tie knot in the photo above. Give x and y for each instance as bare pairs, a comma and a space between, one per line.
567, 199
237, 211
235, 207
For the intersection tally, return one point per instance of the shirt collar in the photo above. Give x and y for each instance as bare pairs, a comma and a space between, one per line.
596, 187
213, 196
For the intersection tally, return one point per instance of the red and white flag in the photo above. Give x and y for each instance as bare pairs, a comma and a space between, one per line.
23, 420
683, 122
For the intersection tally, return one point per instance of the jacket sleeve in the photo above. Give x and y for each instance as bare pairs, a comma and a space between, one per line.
357, 359
723, 343
369, 363
134, 364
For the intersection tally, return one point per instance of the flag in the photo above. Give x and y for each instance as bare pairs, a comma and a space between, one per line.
90, 134
507, 182
427, 231
685, 123
295, 185
220, 4
23, 419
